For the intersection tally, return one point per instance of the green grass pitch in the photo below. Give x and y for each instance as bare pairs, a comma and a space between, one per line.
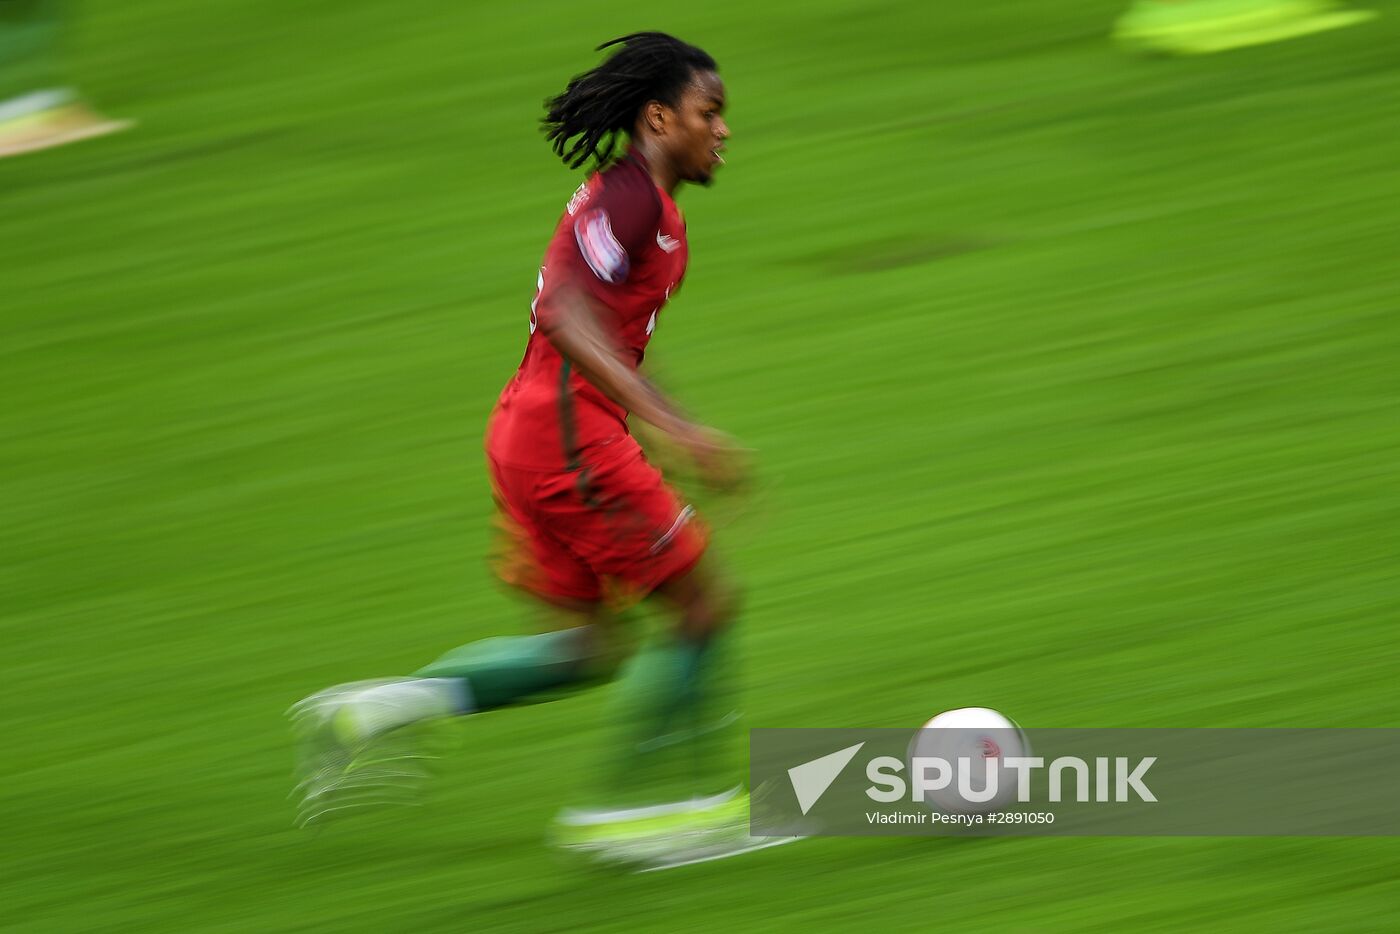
1072, 376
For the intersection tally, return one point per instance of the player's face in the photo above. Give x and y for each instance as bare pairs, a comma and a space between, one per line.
700, 129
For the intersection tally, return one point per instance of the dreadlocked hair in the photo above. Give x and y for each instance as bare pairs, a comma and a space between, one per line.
600, 105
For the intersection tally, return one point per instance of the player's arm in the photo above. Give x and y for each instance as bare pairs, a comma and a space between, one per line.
574, 330
660, 448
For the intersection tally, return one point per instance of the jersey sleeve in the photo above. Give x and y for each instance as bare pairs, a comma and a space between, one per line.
615, 226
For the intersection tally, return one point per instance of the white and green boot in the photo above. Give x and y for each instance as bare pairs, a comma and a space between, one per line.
663, 836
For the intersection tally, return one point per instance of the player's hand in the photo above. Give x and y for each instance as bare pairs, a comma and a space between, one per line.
723, 465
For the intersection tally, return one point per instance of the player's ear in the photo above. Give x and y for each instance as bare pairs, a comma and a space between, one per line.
654, 113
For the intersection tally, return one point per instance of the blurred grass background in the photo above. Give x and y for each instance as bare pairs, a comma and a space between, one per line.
1074, 373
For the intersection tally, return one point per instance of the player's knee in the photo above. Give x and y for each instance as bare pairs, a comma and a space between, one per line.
729, 599
706, 600
711, 611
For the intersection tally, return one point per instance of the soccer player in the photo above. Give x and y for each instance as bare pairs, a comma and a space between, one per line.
1197, 27
583, 510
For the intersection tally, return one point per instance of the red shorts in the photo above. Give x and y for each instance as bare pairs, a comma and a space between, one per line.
572, 535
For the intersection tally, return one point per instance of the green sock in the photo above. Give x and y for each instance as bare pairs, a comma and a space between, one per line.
511, 669
676, 705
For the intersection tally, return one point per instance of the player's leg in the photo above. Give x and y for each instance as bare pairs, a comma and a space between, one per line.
676, 699
484, 675
675, 792
671, 770
357, 744
674, 776
573, 648
557, 540
621, 518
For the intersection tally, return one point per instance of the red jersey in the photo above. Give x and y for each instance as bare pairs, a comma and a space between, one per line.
621, 241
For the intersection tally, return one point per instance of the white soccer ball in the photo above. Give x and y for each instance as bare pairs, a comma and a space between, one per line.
956, 757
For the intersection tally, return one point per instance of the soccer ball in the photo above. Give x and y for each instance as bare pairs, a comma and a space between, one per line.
959, 753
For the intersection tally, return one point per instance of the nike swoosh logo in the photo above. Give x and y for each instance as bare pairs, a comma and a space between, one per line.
669, 244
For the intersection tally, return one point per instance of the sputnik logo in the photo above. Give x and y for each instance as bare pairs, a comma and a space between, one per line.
810, 780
